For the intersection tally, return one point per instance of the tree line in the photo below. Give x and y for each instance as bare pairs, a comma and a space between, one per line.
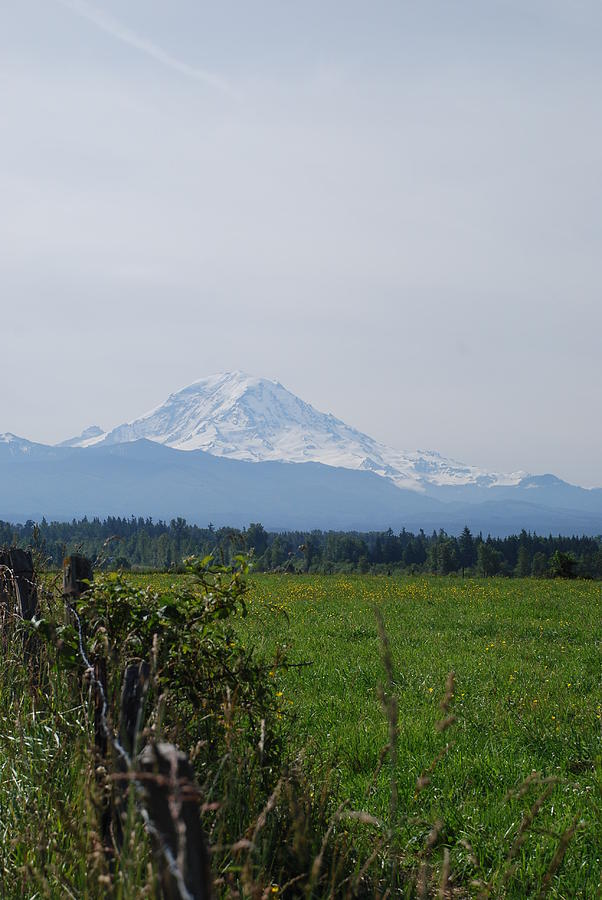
141, 543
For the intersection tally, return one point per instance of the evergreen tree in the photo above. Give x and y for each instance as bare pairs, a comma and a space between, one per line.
489, 559
467, 555
539, 566
563, 565
257, 538
523, 563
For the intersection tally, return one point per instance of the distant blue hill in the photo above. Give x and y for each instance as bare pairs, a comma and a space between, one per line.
149, 479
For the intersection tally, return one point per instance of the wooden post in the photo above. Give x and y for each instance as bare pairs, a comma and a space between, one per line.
100, 734
17, 585
77, 570
77, 576
26, 592
172, 802
135, 682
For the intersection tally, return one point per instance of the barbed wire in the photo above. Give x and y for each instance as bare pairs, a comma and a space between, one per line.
171, 861
152, 830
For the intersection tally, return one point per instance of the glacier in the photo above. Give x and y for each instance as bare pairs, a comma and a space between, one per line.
255, 419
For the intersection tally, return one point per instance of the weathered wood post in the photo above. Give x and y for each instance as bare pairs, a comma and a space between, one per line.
17, 585
172, 801
26, 591
135, 683
133, 691
77, 570
77, 577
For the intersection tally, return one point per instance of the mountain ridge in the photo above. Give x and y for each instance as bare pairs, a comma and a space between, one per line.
233, 448
246, 417
144, 478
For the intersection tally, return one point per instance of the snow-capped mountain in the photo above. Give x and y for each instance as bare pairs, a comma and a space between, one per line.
214, 452
258, 420
14, 444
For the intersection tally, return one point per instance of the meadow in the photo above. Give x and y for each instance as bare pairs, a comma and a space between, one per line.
527, 663
527, 659
485, 784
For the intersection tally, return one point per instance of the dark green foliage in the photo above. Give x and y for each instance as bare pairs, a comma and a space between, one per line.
208, 691
200, 665
563, 565
444, 557
256, 539
523, 563
467, 553
539, 565
489, 560
141, 544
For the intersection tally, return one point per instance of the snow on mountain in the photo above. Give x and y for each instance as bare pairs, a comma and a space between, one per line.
248, 418
87, 435
9, 438
16, 444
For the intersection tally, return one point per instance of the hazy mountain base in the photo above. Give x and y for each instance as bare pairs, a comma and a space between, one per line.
149, 479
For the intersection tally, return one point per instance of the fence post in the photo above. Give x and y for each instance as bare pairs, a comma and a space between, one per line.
135, 682
77, 575
172, 801
77, 570
18, 583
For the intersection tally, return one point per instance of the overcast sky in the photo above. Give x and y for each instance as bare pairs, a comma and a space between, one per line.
394, 208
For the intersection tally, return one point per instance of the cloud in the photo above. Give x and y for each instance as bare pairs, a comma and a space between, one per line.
116, 29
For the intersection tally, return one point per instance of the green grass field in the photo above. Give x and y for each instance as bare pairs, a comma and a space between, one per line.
527, 663
526, 655
528, 692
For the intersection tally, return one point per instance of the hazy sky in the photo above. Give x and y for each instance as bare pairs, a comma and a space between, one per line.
394, 208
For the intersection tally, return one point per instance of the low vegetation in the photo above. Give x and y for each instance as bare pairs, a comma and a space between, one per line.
351, 736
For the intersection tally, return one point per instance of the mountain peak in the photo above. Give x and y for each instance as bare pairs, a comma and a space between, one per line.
247, 417
228, 385
9, 438
15, 444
